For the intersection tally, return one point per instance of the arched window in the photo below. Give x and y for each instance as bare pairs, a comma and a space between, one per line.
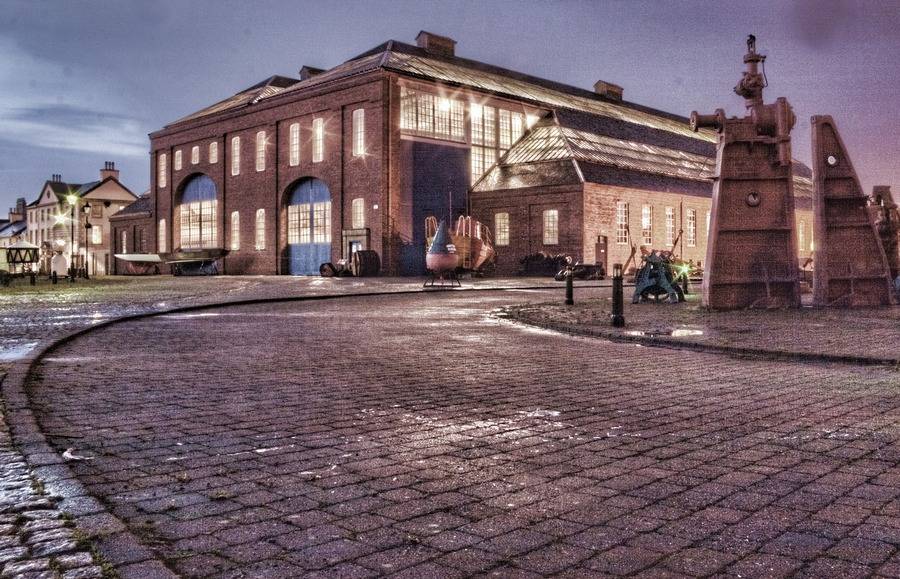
124, 243
161, 177
197, 214
260, 229
213, 153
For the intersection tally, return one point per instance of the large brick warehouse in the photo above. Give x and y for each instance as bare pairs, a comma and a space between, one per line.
290, 173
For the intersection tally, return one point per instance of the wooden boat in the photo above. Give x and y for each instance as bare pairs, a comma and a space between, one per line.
471, 241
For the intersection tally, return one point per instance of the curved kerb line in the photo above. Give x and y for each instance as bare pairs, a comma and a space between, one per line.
112, 537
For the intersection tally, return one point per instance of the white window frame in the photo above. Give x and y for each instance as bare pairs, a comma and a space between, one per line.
501, 229
96, 234
213, 153
691, 218
235, 231
178, 160
235, 156
359, 132
161, 236
670, 227
260, 151
622, 218
358, 213
195, 154
318, 140
124, 241
162, 176
647, 224
260, 241
294, 144
551, 227
801, 234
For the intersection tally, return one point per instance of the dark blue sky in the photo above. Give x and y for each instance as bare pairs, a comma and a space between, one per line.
82, 82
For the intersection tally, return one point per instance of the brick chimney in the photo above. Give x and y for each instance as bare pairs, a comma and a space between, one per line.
109, 170
608, 90
56, 178
18, 212
436, 44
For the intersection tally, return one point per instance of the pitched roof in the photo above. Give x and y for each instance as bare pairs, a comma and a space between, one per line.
413, 61
143, 204
13, 229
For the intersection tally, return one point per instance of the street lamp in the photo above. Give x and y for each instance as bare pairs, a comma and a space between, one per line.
87, 239
73, 201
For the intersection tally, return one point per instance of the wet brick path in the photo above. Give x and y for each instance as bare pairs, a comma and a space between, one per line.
419, 436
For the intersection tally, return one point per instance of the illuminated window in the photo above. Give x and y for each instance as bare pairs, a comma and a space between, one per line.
318, 144
358, 213
304, 235
142, 240
178, 160
198, 224
801, 235
213, 153
359, 132
96, 234
161, 176
501, 228
195, 155
483, 122
294, 144
123, 244
322, 222
707, 224
235, 231
647, 224
511, 129
236, 156
431, 116
691, 228
161, 236
293, 224
260, 229
551, 227
670, 226
261, 151
621, 222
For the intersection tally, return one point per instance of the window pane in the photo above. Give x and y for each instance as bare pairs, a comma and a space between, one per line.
96, 234
161, 171
260, 229
294, 144
261, 151
304, 219
178, 160
551, 227
318, 152
161, 236
358, 213
235, 231
691, 227
236, 156
426, 113
670, 226
501, 228
213, 153
195, 155
647, 225
359, 132
621, 222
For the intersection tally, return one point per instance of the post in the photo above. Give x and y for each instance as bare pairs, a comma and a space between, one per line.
54, 277
618, 303
87, 249
570, 290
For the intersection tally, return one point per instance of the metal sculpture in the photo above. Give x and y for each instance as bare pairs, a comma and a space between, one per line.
442, 259
887, 223
851, 268
751, 257
657, 277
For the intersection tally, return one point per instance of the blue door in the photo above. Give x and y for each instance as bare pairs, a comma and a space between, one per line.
309, 227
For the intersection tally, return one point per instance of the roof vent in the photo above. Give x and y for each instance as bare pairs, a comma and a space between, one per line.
608, 90
309, 71
436, 44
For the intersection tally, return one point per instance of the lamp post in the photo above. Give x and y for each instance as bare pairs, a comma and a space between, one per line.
73, 201
87, 239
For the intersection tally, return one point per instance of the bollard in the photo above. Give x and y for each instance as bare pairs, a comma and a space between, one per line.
54, 278
33, 277
618, 308
570, 290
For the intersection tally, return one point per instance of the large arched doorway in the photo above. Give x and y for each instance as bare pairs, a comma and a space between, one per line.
308, 227
197, 222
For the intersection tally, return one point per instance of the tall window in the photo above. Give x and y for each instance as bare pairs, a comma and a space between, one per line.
358, 213
321, 222
294, 223
512, 127
197, 214
551, 227
178, 160
691, 217
621, 222
235, 231
124, 242
195, 155
359, 132
483, 121
261, 151
142, 240
318, 144
294, 144
97, 234
161, 176
670, 226
647, 224
236, 156
801, 235
501, 228
432, 116
707, 224
260, 229
161, 236
213, 153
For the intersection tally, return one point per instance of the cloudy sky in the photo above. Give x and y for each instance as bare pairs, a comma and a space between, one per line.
82, 81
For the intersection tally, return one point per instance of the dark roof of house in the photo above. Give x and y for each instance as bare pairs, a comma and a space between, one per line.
142, 204
13, 229
63, 189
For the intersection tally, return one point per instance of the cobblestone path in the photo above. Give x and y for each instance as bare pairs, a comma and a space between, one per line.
417, 435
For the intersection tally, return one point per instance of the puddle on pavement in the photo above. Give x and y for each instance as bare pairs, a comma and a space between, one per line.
676, 333
11, 351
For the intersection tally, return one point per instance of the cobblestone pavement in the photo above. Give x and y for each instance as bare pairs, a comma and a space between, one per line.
858, 332
419, 435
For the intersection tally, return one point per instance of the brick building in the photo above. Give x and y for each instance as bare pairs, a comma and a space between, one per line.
290, 173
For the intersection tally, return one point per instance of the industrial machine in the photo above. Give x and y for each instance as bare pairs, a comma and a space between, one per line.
659, 278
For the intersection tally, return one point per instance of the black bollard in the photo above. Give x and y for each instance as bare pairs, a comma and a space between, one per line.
618, 303
570, 290
33, 277
54, 278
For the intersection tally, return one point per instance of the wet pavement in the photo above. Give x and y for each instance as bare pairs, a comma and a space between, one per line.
422, 436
